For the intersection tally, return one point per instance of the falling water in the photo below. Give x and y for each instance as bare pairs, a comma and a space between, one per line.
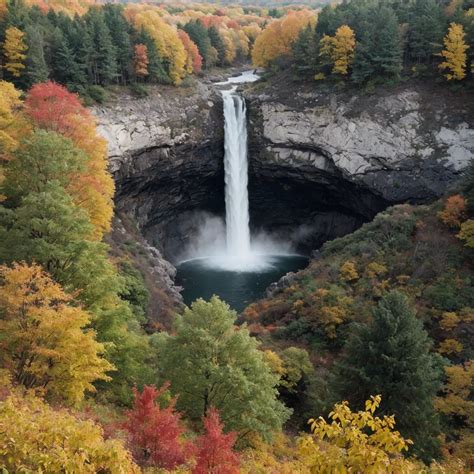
236, 175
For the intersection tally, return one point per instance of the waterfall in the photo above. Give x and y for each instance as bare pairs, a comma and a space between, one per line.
236, 175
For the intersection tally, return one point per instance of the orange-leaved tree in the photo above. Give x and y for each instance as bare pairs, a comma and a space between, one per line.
140, 60
278, 37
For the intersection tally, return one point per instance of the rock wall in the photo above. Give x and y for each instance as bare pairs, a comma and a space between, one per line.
341, 157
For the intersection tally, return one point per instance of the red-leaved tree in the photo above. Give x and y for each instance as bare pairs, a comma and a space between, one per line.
215, 449
155, 433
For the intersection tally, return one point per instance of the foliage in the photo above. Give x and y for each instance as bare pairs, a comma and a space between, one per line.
454, 54
42, 337
454, 211
155, 433
354, 442
214, 448
392, 357
457, 405
225, 368
340, 49
278, 37
14, 49
140, 60
36, 438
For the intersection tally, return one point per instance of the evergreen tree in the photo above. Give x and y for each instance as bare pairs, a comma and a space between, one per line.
119, 31
392, 357
66, 70
36, 67
218, 44
306, 52
212, 363
156, 69
378, 51
198, 33
426, 30
103, 57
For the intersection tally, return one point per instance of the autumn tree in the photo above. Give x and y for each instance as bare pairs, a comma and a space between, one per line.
340, 49
224, 367
215, 453
454, 211
53, 108
140, 60
37, 438
457, 407
277, 38
193, 58
42, 338
14, 49
155, 432
454, 54
392, 357
354, 442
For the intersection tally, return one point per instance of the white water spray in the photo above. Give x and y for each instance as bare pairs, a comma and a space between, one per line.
236, 176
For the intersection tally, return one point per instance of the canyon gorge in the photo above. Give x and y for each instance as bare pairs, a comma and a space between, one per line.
320, 163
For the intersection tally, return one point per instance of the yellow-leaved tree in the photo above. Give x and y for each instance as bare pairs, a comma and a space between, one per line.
43, 343
166, 38
37, 438
278, 37
354, 442
454, 53
339, 49
14, 49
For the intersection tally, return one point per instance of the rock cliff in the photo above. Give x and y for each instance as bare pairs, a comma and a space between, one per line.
351, 154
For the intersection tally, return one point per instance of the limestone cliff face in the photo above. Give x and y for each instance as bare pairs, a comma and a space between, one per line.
409, 144
339, 158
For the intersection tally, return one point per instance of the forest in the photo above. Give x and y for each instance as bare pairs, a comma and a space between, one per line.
363, 364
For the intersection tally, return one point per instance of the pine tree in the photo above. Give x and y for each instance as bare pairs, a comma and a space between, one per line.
306, 52
66, 70
378, 51
218, 44
392, 357
156, 69
36, 67
198, 33
426, 30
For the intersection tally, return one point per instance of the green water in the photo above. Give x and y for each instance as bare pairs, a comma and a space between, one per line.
200, 279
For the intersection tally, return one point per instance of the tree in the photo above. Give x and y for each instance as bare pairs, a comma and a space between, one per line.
193, 58
217, 44
392, 357
14, 49
278, 37
155, 433
426, 30
354, 442
378, 52
199, 35
66, 69
140, 61
53, 108
454, 211
212, 363
457, 406
42, 340
340, 49
36, 67
214, 448
37, 438
454, 54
